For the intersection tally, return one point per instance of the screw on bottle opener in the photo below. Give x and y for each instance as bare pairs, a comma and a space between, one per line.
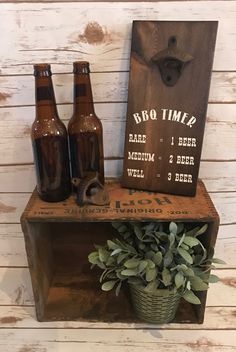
171, 62
91, 191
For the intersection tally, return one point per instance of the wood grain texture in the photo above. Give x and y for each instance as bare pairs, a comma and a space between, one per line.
24, 42
126, 204
87, 340
107, 87
91, 35
217, 318
217, 176
13, 204
173, 105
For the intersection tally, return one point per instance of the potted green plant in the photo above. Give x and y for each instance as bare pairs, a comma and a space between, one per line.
161, 262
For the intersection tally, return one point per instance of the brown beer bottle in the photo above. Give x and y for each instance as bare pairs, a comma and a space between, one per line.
85, 129
49, 139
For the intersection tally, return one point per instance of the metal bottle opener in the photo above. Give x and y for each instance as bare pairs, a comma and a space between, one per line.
91, 191
171, 62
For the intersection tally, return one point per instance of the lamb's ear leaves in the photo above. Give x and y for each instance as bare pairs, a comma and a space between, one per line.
217, 261
179, 279
93, 257
213, 279
166, 277
190, 297
184, 254
151, 274
173, 228
131, 263
201, 230
191, 241
118, 288
197, 284
107, 286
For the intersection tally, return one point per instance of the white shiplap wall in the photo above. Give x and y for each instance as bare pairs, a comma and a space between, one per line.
60, 33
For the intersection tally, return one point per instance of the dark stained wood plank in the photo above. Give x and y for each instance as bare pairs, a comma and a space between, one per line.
169, 84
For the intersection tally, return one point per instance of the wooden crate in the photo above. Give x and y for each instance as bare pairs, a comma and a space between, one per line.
59, 237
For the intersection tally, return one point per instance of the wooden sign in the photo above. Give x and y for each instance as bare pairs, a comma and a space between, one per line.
169, 84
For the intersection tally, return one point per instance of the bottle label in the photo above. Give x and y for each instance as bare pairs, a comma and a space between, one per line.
44, 93
80, 90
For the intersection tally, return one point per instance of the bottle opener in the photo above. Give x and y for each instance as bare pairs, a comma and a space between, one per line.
171, 62
91, 191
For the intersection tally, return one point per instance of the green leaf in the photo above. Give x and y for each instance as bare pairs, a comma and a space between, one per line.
180, 227
150, 227
100, 265
131, 263
179, 280
116, 251
93, 257
171, 239
168, 258
217, 261
157, 258
188, 271
107, 286
151, 274
134, 281
112, 245
142, 265
118, 288
129, 272
138, 232
213, 279
201, 230
120, 276
191, 241
173, 228
122, 229
197, 284
184, 254
181, 240
166, 277
116, 225
142, 246
103, 254
151, 264
121, 257
110, 261
151, 286
184, 246
126, 235
149, 255
154, 247
190, 297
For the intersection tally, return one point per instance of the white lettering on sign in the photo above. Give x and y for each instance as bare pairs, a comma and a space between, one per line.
144, 115
135, 173
178, 116
137, 138
167, 114
185, 160
187, 178
141, 156
187, 142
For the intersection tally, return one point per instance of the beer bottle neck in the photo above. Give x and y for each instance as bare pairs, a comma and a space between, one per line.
83, 98
45, 98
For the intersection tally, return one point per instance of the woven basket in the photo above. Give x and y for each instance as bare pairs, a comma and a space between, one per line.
159, 307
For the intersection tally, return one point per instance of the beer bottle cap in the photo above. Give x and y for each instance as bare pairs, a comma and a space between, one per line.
81, 67
42, 70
